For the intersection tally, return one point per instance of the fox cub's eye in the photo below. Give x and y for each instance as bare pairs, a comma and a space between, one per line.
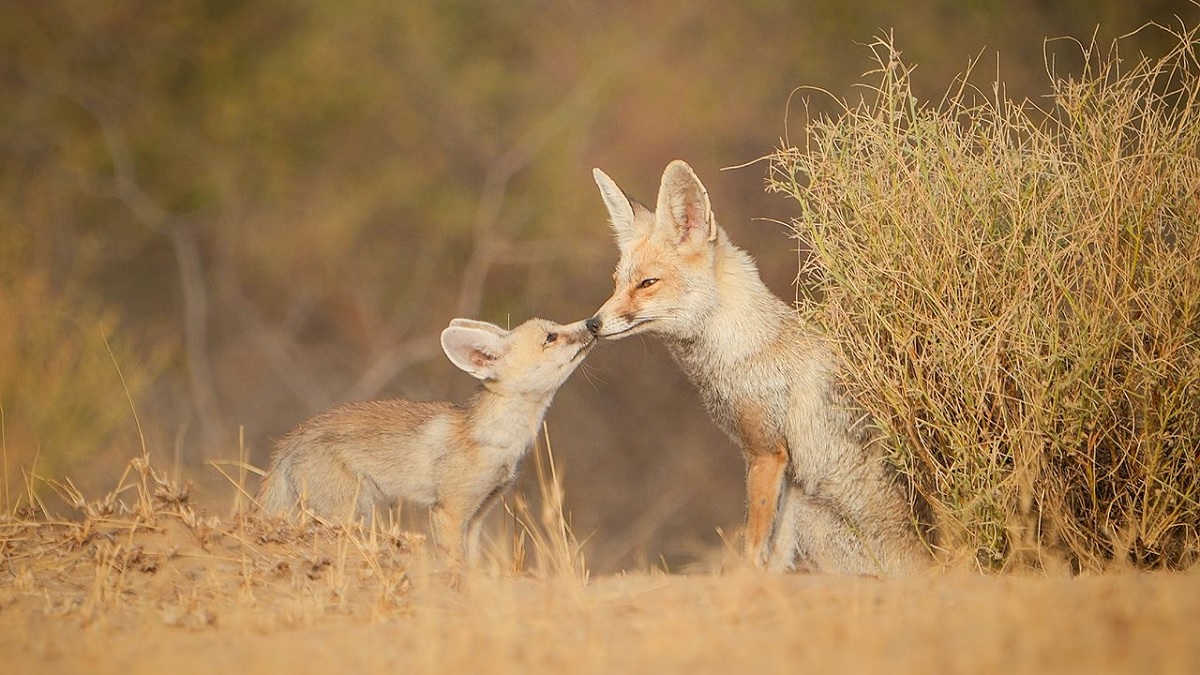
647, 283
550, 337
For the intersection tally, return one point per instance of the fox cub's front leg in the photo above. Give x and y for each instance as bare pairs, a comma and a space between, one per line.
449, 533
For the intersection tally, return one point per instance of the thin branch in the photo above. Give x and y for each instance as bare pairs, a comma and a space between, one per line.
390, 363
126, 189
273, 345
487, 247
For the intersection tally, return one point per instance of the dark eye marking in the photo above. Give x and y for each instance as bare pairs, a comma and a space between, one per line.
647, 283
550, 337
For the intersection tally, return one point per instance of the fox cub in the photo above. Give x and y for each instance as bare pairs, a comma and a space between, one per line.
818, 494
456, 459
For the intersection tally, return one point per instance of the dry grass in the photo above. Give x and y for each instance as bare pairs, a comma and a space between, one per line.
144, 580
1016, 291
146, 540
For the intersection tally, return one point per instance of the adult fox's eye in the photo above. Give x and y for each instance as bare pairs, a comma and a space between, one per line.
647, 283
550, 337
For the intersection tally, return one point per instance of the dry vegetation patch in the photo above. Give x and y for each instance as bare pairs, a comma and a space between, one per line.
1016, 292
157, 554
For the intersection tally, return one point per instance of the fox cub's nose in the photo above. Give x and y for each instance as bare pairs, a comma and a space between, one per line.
593, 325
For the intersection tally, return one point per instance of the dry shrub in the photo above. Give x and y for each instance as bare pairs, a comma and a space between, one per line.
1016, 291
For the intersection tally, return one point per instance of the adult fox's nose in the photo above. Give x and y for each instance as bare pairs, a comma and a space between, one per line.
593, 324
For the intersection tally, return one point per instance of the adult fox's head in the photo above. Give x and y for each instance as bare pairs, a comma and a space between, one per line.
666, 278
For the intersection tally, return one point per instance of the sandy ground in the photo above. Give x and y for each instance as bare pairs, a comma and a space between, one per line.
177, 594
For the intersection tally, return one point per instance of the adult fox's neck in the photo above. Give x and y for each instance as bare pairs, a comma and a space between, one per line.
746, 318
503, 421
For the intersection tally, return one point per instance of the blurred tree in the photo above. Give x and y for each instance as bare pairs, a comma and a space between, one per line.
288, 200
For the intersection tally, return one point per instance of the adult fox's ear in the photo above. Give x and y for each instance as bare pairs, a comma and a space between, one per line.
684, 210
622, 211
473, 350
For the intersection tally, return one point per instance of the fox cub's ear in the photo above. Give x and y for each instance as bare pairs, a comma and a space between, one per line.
683, 208
472, 349
481, 325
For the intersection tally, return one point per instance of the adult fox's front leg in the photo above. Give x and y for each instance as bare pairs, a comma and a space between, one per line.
764, 485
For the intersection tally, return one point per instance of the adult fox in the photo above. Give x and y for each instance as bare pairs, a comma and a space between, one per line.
819, 496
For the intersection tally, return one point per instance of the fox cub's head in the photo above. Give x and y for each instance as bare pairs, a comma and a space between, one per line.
665, 279
534, 358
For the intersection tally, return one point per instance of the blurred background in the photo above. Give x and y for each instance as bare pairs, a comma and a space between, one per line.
228, 215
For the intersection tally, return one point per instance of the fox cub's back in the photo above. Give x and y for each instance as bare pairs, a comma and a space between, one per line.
378, 443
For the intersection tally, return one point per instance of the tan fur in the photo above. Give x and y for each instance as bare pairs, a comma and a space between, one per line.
356, 458
818, 495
